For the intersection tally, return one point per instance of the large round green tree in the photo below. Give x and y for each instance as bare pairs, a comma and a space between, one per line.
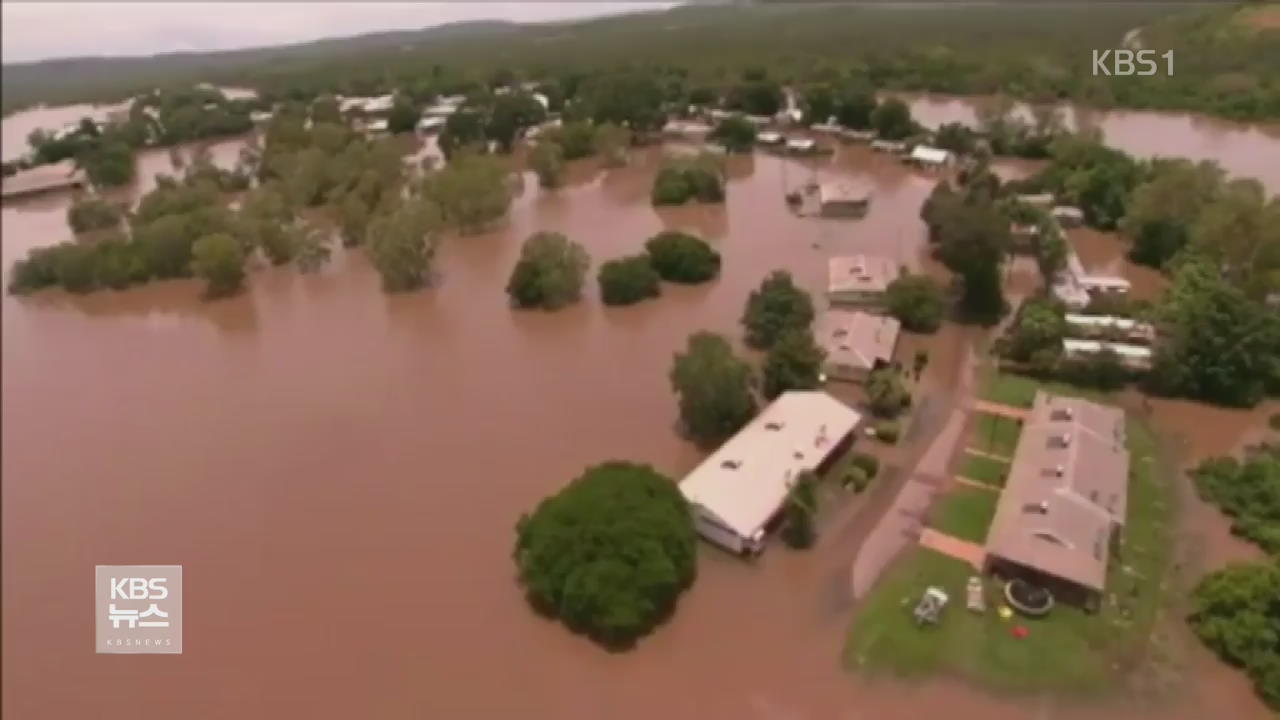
610, 553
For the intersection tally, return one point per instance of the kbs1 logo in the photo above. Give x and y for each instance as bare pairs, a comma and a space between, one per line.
1124, 63
138, 608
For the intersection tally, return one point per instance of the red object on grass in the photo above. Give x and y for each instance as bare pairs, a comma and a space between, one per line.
1020, 632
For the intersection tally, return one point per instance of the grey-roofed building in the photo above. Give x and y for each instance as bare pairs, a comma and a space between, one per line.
1065, 498
856, 342
843, 200
43, 178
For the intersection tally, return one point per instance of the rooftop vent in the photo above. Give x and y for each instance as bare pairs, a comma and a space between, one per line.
773, 426
1060, 441
731, 464
1061, 414
1040, 508
1060, 471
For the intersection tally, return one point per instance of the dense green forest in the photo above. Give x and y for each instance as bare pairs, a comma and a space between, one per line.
1224, 61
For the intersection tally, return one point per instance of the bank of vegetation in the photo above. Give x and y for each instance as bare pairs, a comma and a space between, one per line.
1216, 329
160, 118
1236, 610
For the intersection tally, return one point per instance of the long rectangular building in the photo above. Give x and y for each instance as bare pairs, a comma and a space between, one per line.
740, 488
1065, 498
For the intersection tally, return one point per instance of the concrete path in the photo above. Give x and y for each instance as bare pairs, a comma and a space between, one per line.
984, 453
902, 524
962, 550
1009, 411
969, 482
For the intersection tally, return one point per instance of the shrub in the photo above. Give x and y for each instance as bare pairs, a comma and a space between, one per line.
886, 393
628, 280
856, 478
549, 273
682, 258
610, 553
888, 431
869, 464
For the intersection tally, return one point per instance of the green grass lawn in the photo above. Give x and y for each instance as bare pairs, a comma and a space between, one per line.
1069, 652
995, 434
1058, 653
965, 512
1014, 390
985, 470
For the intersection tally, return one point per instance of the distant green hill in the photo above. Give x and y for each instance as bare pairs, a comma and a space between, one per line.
1033, 50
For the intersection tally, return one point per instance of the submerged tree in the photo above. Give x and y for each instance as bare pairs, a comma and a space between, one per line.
679, 257
776, 306
714, 388
219, 260
402, 243
793, 363
628, 280
610, 553
471, 191
799, 530
549, 273
547, 161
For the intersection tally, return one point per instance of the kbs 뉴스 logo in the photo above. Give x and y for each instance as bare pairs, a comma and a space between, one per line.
138, 608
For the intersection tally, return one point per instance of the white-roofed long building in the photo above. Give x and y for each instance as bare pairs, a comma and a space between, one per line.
736, 492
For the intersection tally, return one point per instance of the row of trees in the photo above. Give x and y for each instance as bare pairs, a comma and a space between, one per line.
969, 232
716, 388
551, 270
683, 178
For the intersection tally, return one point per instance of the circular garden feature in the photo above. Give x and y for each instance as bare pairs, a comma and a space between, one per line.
1028, 599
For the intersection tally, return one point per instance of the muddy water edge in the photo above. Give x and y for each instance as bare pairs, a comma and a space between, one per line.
339, 473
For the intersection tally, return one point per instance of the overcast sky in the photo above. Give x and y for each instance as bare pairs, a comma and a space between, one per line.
41, 30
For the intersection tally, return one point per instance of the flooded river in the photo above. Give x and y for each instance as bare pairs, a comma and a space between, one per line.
339, 473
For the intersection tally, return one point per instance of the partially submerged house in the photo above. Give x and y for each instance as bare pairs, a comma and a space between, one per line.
43, 178
430, 123
801, 145
1134, 357
859, 280
1044, 201
856, 342
1068, 216
889, 146
1064, 501
738, 491
930, 158
769, 137
1111, 326
843, 200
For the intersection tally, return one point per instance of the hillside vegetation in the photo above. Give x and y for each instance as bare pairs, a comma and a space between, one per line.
1032, 51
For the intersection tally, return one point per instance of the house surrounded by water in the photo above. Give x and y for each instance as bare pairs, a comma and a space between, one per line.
737, 493
856, 342
859, 280
1064, 501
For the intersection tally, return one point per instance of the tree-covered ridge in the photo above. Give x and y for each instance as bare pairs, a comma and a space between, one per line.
1027, 50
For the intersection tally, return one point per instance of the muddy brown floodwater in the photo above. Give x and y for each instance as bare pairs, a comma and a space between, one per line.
339, 473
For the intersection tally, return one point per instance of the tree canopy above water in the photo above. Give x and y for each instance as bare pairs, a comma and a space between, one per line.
610, 553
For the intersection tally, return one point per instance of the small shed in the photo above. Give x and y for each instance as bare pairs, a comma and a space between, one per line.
843, 200
930, 158
1068, 216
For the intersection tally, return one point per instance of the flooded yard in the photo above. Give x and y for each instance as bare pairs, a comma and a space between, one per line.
340, 471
